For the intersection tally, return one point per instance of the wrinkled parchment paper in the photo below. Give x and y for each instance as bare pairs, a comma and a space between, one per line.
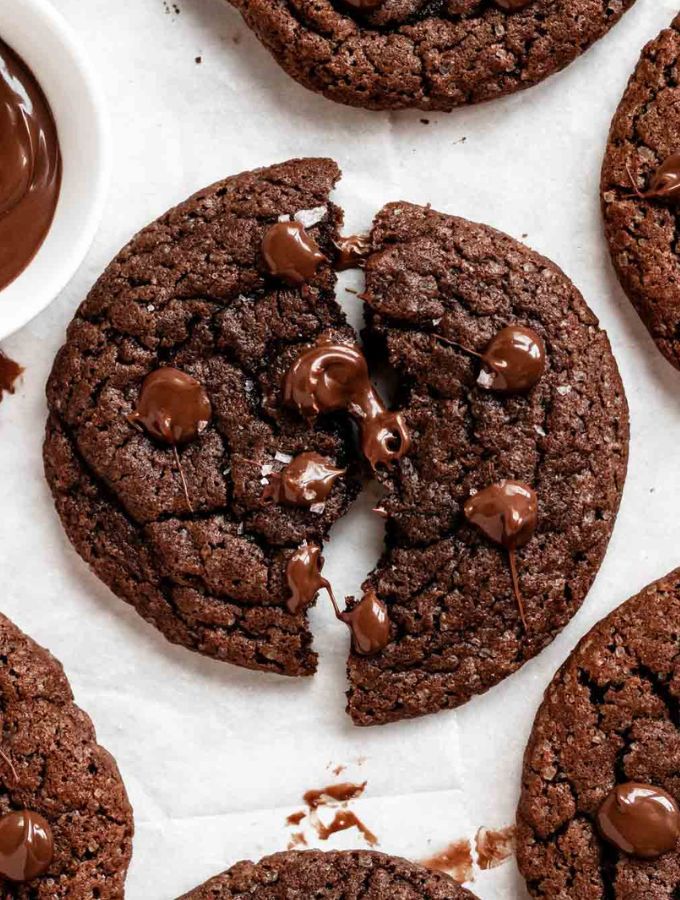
215, 758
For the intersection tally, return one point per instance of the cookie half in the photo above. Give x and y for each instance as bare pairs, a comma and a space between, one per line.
186, 531
350, 875
610, 719
57, 778
640, 190
439, 290
427, 54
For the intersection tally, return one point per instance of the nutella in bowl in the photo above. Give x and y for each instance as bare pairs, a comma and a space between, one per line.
55, 158
30, 165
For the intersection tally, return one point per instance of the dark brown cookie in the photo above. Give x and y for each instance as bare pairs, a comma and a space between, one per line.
610, 717
201, 551
429, 54
52, 767
435, 282
638, 201
329, 876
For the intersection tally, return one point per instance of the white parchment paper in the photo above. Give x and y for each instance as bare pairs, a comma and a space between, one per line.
215, 758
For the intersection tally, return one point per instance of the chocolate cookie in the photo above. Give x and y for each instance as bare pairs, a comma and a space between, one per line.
641, 187
65, 820
499, 516
350, 875
179, 473
429, 54
598, 815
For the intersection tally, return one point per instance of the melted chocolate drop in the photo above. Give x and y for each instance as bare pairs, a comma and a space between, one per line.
512, 5
173, 407
364, 4
9, 372
30, 166
303, 574
290, 253
507, 513
664, 183
26, 845
329, 377
369, 623
352, 252
307, 479
640, 820
514, 361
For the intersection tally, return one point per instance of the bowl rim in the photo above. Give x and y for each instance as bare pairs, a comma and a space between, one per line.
57, 259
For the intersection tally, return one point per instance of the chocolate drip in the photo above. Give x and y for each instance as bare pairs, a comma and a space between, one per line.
290, 253
352, 251
329, 377
640, 819
306, 480
369, 623
507, 513
26, 845
173, 408
303, 574
30, 166
9, 372
664, 183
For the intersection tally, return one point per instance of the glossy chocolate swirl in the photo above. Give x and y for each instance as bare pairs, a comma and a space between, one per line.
30, 166
640, 819
26, 845
331, 376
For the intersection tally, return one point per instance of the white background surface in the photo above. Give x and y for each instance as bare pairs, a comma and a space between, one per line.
213, 757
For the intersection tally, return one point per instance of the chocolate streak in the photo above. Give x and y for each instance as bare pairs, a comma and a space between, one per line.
30, 166
329, 377
455, 860
9, 372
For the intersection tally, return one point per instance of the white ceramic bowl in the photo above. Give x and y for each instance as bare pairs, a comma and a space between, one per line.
47, 44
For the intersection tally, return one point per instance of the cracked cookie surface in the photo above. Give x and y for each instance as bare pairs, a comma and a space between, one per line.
456, 628
330, 876
611, 715
643, 233
427, 54
51, 764
191, 291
